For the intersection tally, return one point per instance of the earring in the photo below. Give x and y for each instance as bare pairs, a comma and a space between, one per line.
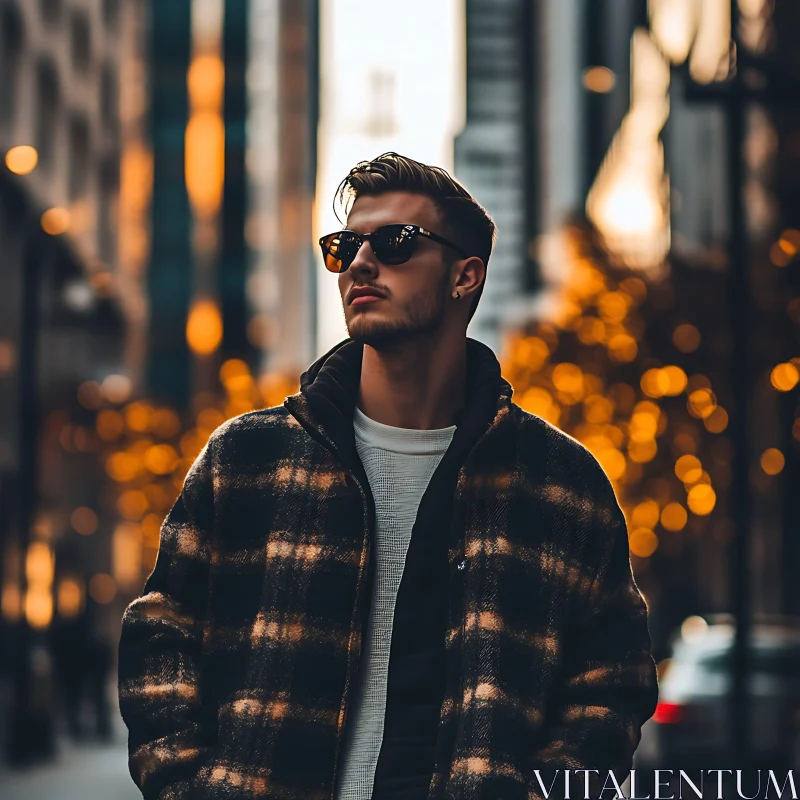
457, 295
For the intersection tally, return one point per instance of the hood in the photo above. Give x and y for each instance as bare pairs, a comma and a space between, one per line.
329, 390
331, 383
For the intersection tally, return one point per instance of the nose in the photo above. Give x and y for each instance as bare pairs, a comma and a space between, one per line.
365, 260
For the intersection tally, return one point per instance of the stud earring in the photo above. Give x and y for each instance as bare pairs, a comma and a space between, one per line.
457, 295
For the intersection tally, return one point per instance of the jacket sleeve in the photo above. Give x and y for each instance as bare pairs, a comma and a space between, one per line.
608, 688
171, 731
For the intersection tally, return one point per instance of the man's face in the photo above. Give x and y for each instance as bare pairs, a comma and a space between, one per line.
415, 293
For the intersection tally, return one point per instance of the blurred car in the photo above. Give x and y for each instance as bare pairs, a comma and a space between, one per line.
690, 728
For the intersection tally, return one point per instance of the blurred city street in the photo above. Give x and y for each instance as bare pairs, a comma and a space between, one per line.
80, 771
167, 172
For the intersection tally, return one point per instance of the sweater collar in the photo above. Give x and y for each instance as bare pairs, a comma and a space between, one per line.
329, 390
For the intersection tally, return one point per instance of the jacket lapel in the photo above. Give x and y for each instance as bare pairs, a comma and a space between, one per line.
325, 406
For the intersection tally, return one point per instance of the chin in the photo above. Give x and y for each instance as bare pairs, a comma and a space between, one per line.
376, 336
382, 334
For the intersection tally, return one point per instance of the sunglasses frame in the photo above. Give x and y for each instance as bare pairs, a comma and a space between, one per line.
414, 230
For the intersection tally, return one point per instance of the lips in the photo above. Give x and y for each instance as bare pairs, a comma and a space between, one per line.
364, 295
364, 299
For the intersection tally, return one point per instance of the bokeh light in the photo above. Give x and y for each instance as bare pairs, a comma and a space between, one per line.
779, 256
686, 338
161, 459
39, 564
716, 421
22, 159
600, 80
772, 461
568, 380
622, 347
117, 388
90, 395
38, 607
540, 402
204, 327
674, 517
688, 468
102, 588
110, 425
645, 514
55, 221
123, 467
643, 542
132, 504
701, 499
138, 416
702, 403
84, 520
784, 377
69, 598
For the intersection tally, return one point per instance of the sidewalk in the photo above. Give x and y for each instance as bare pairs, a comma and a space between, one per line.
90, 771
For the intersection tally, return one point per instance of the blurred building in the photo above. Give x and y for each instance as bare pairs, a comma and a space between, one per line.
233, 130
60, 63
711, 163
62, 324
496, 153
282, 120
60, 136
785, 310
170, 268
521, 150
666, 184
621, 108
60, 97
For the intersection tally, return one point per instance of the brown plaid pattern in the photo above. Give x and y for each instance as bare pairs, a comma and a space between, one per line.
235, 660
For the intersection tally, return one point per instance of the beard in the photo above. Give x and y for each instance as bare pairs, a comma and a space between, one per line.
422, 318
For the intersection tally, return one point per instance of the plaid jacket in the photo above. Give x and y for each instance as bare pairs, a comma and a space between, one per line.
237, 661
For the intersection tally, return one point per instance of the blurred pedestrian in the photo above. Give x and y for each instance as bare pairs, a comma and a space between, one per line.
98, 674
69, 645
82, 659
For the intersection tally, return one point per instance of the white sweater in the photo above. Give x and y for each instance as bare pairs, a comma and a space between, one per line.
399, 463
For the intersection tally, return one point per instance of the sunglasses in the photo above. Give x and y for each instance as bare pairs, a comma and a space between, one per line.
391, 244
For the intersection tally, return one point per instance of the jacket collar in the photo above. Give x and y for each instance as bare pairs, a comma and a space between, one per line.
329, 390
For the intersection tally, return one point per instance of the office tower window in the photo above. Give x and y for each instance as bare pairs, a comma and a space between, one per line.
47, 101
80, 41
78, 156
10, 50
51, 10
109, 97
111, 14
108, 184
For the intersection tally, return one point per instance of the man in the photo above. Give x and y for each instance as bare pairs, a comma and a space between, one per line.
398, 584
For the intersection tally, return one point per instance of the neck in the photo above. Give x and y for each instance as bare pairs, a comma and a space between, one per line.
417, 384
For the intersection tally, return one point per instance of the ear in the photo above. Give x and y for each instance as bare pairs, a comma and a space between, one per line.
472, 274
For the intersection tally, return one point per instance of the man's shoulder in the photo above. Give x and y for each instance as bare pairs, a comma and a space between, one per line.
254, 433
567, 475
262, 419
541, 440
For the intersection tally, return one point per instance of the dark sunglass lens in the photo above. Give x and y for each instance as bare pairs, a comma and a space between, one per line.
394, 244
339, 250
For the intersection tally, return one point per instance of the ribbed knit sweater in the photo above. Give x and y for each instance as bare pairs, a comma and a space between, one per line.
399, 463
